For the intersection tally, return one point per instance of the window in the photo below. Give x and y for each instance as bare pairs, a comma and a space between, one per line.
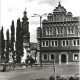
65, 43
76, 43
52, 56
54, 43
59, 30
75, 56
45, 43
70, 30
45, 57
48, 31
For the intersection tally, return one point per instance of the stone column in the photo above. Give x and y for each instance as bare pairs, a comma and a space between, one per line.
38, 56
66, 58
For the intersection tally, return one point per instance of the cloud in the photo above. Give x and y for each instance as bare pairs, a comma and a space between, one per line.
29, 0
49, 2
12, 9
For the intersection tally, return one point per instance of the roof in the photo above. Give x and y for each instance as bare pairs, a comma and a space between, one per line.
59, 9
50, 14
69, 13
39, 28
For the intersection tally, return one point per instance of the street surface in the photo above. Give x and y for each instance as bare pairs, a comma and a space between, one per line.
39, 72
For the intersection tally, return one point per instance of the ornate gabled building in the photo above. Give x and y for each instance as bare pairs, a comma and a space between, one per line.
60, 37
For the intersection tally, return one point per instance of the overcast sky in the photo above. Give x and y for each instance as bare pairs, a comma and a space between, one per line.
13, 9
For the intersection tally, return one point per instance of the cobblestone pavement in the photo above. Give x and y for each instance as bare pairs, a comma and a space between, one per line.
39, 72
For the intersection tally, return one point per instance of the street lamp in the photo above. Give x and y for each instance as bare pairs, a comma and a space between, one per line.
54, 69
37, 15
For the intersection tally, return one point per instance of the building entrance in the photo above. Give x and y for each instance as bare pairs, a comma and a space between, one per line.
63, 58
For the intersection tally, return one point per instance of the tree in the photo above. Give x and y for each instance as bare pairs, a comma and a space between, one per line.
2, 45
19, 41
12, 38
7, 46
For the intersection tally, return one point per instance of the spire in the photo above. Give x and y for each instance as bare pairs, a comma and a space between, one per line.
24, 15
59, 3
25, 8
25, 12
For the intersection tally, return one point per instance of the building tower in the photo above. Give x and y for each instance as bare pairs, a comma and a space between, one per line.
26, 35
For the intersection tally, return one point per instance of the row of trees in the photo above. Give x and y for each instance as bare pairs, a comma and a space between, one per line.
7, 46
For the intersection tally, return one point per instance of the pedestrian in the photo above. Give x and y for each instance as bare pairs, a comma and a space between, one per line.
4, 67
32, 61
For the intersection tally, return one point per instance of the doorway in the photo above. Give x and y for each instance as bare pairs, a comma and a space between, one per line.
63, 58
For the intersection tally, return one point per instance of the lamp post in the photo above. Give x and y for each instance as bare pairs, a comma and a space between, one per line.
37, 15
54, 69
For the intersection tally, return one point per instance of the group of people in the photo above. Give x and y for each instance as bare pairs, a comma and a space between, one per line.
30, 61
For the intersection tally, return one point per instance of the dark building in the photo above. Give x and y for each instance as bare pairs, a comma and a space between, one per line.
26, 36
60, 37
25, 26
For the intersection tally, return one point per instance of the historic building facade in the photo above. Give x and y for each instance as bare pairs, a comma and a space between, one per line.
59, 37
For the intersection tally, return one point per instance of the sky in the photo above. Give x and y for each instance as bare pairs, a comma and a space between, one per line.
13, 9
